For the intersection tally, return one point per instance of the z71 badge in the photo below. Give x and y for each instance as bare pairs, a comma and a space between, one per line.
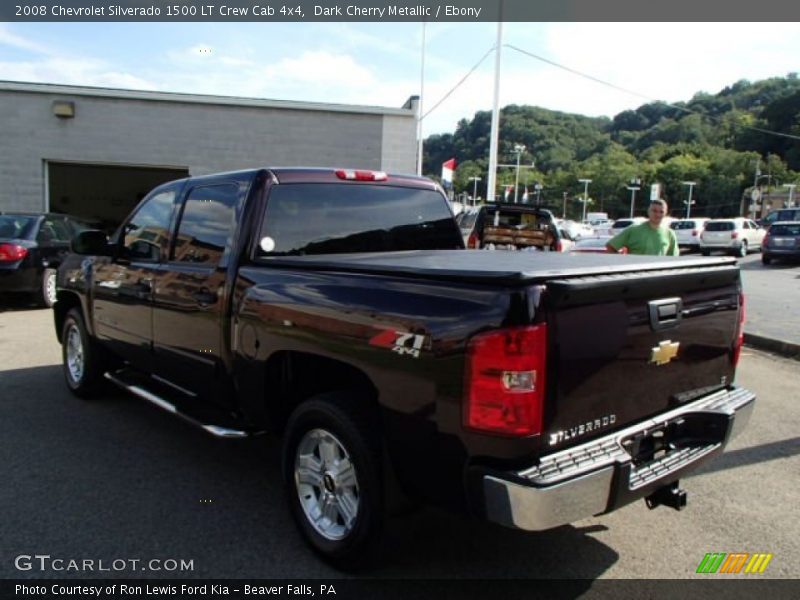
402, 342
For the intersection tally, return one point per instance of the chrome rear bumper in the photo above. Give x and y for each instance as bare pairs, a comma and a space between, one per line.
600, 475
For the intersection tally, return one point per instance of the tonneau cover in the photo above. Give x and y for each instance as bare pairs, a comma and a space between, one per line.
487, 266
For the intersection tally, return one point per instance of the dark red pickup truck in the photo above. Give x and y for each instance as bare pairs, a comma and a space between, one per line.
340, 309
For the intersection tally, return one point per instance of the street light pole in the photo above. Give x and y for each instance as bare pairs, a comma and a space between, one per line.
585, 183
688, 203
634, 187
791, 186
519, 149
474, 181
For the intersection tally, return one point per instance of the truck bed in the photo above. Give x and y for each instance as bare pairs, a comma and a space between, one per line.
484, 267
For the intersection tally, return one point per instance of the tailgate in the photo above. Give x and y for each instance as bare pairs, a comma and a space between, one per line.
628, 346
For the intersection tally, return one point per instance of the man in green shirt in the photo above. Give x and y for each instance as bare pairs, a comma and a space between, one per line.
650, 237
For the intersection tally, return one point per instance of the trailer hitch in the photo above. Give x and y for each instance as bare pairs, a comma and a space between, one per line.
669, 495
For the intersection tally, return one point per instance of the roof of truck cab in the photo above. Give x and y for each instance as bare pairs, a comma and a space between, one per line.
285, 175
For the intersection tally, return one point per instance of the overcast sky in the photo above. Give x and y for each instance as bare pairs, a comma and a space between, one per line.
379, 63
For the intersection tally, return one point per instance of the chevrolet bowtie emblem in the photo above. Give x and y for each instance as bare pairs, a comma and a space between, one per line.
664, 352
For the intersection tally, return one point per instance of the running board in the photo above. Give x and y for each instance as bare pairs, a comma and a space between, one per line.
141, 392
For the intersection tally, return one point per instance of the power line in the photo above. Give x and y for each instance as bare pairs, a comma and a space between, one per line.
648, 98
461, 81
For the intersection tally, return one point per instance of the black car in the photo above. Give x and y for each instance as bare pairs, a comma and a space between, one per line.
32, 246
506, 226
782, 241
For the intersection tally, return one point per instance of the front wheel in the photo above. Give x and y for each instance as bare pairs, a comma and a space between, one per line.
332, 472
81, 361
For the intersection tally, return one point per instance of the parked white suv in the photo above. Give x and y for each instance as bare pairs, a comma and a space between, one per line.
736, 236
688, 232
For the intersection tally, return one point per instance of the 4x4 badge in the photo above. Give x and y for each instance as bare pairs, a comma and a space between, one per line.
401, 342
664, 352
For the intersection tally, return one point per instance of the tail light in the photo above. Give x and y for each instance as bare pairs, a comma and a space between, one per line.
352, 175
505, 381
12, 252
734, 235
559, 246
695, 232
737, 347
472, 241
765, 241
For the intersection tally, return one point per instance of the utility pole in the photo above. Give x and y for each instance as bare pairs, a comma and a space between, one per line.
495, 134
518, 149
585, 200
689, 202
419, 105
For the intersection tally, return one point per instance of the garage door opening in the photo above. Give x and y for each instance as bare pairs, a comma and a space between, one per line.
103, 195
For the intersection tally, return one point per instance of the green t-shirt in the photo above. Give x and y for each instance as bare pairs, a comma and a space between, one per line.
643, 239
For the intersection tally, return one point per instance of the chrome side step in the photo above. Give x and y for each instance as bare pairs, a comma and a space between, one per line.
215, 430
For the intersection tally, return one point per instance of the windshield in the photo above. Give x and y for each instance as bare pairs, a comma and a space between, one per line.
16, 227
334, 218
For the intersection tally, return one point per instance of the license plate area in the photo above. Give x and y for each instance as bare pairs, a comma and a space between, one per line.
657, 443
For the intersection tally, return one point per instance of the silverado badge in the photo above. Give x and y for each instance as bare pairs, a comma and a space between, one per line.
664, 352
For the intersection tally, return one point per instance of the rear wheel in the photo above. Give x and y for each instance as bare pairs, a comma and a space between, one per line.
81, 360
743, 249
766, 259
332, 472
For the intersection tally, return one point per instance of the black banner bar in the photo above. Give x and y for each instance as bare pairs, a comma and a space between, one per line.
240, 11
389, 589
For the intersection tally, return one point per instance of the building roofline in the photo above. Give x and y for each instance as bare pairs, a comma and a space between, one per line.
176, 97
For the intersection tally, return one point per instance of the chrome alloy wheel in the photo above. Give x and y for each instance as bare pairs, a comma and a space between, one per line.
50, 288
326, 484
74, 347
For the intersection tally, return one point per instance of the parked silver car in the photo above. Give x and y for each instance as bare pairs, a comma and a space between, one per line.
735, 236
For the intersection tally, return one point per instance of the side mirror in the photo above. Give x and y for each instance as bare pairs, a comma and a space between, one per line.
91, 242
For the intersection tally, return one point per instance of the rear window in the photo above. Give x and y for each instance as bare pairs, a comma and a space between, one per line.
334, 218
621, 224
785, 229
17, 227
681, 225
720, 226
518, 219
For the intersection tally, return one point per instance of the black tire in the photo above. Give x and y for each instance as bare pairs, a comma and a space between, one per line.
47, 290
81, 361
706, 252
766, 259
344, 477
742, 249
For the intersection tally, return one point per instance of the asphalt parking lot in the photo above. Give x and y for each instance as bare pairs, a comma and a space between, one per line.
116, 478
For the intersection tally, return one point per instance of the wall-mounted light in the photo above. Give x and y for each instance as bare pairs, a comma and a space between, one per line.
64, 110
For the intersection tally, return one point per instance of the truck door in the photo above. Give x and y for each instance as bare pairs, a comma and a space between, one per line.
123, 286
188, 312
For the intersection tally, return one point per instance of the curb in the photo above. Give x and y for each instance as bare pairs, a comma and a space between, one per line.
782, 347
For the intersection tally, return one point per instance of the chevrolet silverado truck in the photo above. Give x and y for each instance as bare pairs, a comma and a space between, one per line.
340, 309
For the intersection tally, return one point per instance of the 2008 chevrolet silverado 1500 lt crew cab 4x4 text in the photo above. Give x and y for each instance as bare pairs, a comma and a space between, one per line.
340, 309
